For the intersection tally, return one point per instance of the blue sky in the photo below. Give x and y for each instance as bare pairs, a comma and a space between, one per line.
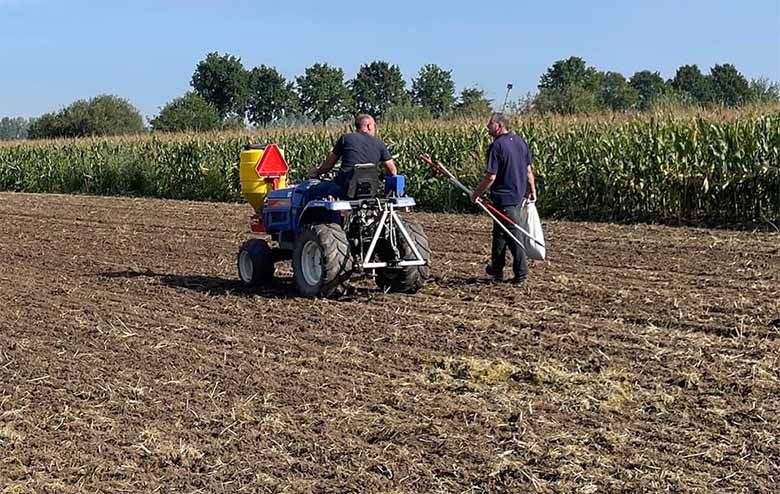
53, 52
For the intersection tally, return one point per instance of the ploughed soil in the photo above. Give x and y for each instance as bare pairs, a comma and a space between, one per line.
635, 359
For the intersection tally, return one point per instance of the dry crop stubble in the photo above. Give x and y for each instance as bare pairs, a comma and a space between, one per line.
132, 358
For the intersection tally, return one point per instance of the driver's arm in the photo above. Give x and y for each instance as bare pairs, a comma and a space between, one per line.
325, 167
390, 166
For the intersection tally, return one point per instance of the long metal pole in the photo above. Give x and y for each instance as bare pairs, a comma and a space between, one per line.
508, 88
481, 204
498, 222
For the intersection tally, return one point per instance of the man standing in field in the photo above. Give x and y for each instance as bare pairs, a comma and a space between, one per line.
510, 179
353, 148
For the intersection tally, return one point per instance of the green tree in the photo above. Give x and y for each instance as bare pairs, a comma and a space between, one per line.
14, 128
672, 101
222, 81
43, 127
407, 112
434, 90
323, 94
573, 71
569, 86
294, 110
472, 102
103, 115
73, 120
649, 86
522, 105
689, 81
762, 90
112, 115
377, 87
616, 94
568, 100
728, 85
270, 96
188, 112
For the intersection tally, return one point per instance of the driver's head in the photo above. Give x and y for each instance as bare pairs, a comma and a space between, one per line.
365, 123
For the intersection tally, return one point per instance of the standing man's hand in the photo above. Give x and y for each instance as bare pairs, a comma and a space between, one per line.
474, 197
532, 194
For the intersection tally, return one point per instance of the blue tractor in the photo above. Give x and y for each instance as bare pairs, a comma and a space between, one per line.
331, 239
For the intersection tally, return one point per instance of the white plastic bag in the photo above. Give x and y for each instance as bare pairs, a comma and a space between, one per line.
530, 222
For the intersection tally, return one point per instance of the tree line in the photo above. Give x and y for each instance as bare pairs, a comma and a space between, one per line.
225, 94
571, 86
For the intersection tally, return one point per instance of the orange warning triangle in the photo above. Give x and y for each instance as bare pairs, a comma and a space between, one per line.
271, 163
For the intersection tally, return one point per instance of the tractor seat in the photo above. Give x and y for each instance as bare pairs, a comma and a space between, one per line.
364, 183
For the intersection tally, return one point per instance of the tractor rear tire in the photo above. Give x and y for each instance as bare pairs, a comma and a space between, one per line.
321, 260
408, 279
255, 262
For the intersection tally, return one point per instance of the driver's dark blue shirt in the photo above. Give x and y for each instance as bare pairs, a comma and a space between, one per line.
509, 159
356, 148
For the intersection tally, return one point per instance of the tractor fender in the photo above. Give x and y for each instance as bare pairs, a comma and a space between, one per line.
323, 211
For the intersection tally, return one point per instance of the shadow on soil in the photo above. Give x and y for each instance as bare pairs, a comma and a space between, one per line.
281, 288
457, 281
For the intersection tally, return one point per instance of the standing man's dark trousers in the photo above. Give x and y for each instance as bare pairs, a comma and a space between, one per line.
500, 243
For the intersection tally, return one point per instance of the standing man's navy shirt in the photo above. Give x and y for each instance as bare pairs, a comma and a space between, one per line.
508, 159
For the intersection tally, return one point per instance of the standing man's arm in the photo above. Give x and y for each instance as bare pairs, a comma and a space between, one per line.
531, 192
490, 173
483, 186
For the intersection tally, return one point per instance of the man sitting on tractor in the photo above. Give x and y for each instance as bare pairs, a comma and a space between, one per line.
352, 149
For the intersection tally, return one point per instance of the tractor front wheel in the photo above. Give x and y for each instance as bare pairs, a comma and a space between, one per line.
321, 260
255, 262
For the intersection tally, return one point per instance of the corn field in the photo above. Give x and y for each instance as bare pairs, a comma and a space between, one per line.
709, 167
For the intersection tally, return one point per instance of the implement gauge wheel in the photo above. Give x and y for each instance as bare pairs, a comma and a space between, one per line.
407, 279
255, 262
321, 260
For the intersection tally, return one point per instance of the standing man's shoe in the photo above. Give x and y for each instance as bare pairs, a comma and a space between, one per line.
495, 274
